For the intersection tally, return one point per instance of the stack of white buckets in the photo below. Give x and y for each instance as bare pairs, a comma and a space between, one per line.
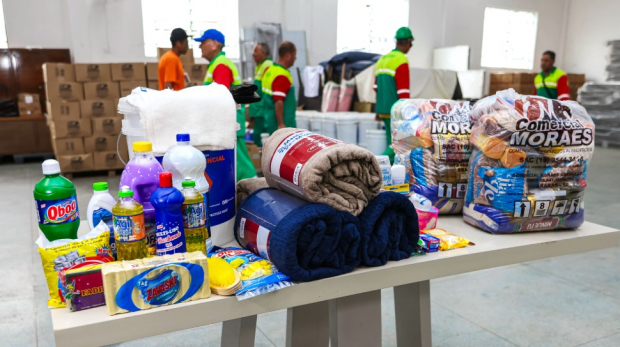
350, 127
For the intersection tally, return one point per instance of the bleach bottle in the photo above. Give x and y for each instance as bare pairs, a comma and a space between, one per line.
56, 204
169, 231
185, 161
100, 210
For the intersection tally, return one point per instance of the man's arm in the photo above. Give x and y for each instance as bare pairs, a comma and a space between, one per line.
280, 113
563, 90
402, 81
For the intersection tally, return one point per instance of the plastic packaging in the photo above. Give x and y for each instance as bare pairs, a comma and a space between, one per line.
386, 169
100, 209
258, 275
56, 203
427, 213
167, 201
529, 165
448, 241
64, 254
141, 175
183, 160
195, 219
431, 139
129, 229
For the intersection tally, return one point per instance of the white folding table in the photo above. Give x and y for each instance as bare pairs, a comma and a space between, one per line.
345, 310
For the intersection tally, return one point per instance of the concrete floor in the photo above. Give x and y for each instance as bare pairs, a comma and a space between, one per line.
567, 301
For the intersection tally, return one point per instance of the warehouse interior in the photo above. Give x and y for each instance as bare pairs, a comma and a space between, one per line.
461, 50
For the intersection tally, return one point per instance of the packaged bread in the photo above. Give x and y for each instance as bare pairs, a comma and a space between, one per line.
431, 139
529, 163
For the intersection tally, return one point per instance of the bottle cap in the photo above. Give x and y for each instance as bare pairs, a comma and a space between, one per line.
100, 186
125, 192
165, 179
188, 183
142, 146
50, 167
182, 137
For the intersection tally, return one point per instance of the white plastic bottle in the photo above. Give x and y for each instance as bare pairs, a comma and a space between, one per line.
398, 174
100, 209
184, 161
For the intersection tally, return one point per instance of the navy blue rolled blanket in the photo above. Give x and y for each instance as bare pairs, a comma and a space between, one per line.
306, 241
389, 227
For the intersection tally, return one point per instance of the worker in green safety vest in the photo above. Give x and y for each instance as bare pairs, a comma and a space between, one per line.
392, 81
279, 103
263, 61
552, 82
223, 71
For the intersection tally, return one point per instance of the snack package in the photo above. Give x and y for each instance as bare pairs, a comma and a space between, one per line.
448, 241
65, 254
528, 168
431, 139
146, 283
258, 275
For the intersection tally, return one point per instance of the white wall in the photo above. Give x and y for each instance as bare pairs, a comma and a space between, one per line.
426, 24
591, 24
36, 23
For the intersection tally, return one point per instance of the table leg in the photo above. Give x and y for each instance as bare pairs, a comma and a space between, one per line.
412, 304
239, 332
308, 325
356, 320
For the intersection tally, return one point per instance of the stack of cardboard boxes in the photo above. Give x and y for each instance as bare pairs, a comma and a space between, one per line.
523, 83
84, 124
29, 105
152, 76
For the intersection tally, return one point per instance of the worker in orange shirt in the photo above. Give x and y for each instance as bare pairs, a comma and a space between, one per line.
170, 70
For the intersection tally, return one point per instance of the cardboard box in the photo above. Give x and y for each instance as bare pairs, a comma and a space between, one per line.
32, 109
28, 98
499, 78
105, 143
128, 72
70, 91
128, 86
187, 59
64, 109
98, 108
68, 146
152, 84
58, 72
92, 72
576, 79
107, 125
523, 78
107, 161
197, 72
68, 128
152, 71
76, 162
101, 90
362, 107
255, 154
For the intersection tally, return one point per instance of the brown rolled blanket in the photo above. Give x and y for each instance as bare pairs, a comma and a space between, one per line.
248, 186
320, 169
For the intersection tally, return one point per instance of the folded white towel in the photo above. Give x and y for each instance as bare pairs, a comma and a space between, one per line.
207, 113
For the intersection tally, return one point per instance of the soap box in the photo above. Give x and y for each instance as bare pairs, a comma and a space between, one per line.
82, 288
142, 284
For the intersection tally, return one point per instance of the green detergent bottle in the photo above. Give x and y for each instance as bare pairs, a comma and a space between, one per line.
56, 204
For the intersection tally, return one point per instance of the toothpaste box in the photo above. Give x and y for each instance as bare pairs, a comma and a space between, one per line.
431, 242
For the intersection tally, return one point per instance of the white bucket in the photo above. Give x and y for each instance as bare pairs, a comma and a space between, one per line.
303, 118
316, 123
376, 141
133, 131
264, 137
329, 124
366, 121
346, 127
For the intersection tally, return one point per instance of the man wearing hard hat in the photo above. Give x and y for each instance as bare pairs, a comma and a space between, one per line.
392, 81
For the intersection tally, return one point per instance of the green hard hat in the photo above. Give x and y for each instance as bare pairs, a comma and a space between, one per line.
404, 33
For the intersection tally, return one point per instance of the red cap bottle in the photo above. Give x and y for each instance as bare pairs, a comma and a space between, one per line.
165, 179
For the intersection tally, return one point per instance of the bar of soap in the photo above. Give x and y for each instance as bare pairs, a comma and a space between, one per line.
142, 284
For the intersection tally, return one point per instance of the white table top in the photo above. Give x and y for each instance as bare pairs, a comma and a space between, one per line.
96, 327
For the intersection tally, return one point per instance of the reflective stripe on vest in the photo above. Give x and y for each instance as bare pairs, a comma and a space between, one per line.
551, 81
221, 58
388, 63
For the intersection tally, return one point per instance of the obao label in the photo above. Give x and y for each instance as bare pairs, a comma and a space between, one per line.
57, 211
294, 151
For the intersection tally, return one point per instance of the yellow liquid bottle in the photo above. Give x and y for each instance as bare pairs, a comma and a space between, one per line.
194, 218
129, 229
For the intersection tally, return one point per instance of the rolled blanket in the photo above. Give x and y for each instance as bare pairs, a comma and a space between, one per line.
390, 230
306, 241
320, 169
248, 186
